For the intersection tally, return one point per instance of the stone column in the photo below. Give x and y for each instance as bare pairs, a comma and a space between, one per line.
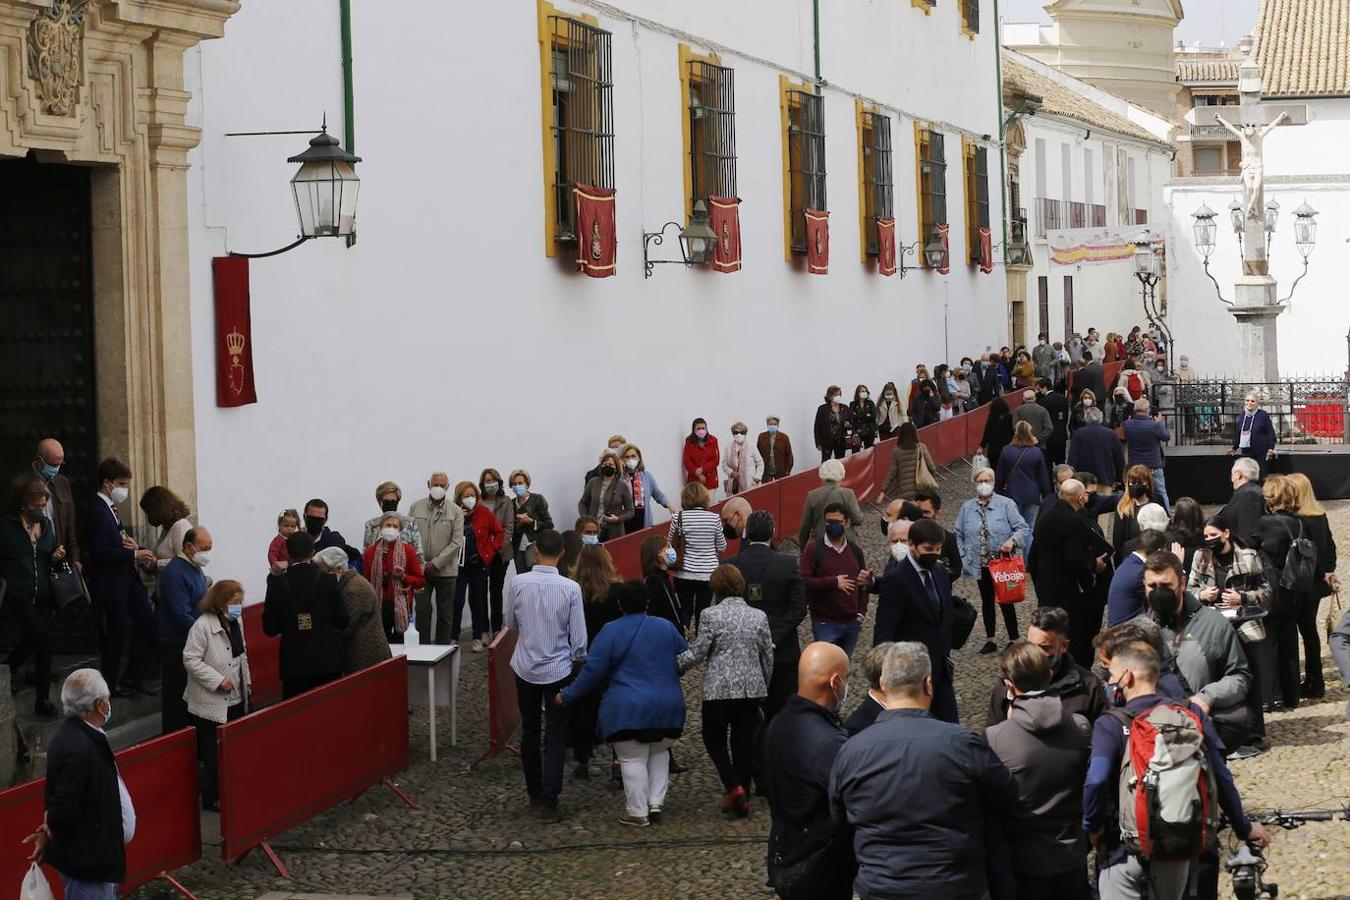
1256, 308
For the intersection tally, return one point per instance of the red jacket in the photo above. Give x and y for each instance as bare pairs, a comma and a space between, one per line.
413, 577
705, 458
488, 534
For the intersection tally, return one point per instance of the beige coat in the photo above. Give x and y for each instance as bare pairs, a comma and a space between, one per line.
207, 660
742, 463
442, 532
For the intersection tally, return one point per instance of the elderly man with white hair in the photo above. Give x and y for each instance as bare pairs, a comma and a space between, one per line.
364, 642
90, 817
1254, 437
830, 491
1042, 426
1248, 504
1144, 438
1070, 559
440, 522
1126, 599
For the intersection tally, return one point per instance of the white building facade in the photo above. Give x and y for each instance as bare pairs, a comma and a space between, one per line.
456, 333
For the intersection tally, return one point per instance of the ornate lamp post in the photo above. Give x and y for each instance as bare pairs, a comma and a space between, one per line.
697, 241
1148, 265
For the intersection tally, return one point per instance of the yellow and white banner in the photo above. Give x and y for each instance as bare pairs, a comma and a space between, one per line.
1096, 246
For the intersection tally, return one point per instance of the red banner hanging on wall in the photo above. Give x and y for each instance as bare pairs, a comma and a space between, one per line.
597, 242
817, 242
886, 246
944, 234
986, 251
724, 216
234, 333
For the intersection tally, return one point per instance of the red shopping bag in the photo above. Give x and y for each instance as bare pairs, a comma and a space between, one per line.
1009, 574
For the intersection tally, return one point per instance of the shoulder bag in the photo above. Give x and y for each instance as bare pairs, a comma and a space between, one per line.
924, 479
677, 542
67, 585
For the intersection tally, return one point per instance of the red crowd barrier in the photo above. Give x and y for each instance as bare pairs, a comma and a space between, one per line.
285, 764
161, 777
264, 659
503, 709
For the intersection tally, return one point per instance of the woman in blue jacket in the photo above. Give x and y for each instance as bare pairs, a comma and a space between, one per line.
647, 494
1023, 476
986, 526
642, 712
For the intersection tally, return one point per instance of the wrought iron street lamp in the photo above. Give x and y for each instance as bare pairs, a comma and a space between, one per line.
697, 241
1235, 216
1205, 230
1148, 269
1272, 215
934, 254
1305, 229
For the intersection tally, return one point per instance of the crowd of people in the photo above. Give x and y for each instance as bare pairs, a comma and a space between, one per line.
1203, 618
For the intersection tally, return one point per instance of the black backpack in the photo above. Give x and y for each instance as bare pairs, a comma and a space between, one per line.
1299, 572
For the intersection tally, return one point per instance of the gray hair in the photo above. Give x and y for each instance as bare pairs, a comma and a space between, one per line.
1071, 489
832, 470
1093, 416
1252, 395
1152, 517
1061, 469
1028, 396
1141, 405
976, 473
445, 475
331, 559
1247, 467
907, 665
81, 692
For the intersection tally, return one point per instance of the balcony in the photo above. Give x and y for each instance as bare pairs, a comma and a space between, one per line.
1019, 250
1211, 132
1052, 215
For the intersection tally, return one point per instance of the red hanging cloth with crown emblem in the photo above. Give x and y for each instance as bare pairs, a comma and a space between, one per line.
817, 242
986, 251
724, 217
597, 243
886, 246
234, 333
944, 234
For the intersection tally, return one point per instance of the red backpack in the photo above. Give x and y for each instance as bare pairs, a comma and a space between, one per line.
1134, 384
1167, 788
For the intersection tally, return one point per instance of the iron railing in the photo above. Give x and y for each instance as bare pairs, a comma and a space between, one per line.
1306, 410
712, 130
878, 177
806, 160
582, 83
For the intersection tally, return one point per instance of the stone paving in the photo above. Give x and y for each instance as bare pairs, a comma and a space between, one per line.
474, 837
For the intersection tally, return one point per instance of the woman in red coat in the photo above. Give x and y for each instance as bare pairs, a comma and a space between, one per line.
396, 573
701, 456
483, 537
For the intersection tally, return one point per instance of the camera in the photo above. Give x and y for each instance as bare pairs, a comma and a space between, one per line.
1247, 866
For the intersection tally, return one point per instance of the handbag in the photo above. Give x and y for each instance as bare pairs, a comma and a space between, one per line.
963, 621
979, 461
67, 585
677, 542
35, 885
924, 479
1009, 574
1333, 608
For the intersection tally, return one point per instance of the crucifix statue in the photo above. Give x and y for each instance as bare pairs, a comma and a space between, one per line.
1253, 182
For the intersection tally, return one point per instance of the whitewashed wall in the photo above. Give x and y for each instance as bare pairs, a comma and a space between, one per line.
446, 339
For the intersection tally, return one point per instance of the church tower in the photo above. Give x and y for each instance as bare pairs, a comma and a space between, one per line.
1121, 46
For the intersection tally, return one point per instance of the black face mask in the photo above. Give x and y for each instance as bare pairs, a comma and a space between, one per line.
1162, 601
34, 516
885, 528
314, 525
1138, 490
730, 532
927, 560
607, 471
388, 506
1214, 544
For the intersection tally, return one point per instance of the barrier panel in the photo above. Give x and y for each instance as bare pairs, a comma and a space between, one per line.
503, 709
285, 764
264, 659
161, 777
946, 441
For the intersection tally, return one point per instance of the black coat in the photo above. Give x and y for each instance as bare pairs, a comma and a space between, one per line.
824, 427
774, 585
84, 806
304, 607
1244, 510
864, 715
1271, 538
1057, 405
1062, 557
998, 433
662, 600
1096, 449
906, 613
1317, 530
109, 568
1080, 691
1091, 377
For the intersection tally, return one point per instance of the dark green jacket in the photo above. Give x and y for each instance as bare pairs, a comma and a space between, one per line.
26, 567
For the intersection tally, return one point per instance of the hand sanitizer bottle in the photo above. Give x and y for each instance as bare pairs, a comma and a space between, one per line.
410, 637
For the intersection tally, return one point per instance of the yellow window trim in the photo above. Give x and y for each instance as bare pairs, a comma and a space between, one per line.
687, 56
923, 5
859, 108
546, 11
920, 128
786, 85
967, 173
961, 20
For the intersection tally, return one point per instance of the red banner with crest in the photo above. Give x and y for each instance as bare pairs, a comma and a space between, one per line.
234, 333
944, 234
724, 217
986, 251
597, 241
817, 242
886, 246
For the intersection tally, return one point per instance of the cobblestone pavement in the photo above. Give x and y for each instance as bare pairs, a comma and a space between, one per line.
473, 835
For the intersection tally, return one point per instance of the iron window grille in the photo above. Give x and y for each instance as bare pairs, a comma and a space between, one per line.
878, 175
977, 190
932, 183
712, 130
806, 160
970, 11
583, 115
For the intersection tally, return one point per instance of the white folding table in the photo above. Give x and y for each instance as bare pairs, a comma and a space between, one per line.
440, 688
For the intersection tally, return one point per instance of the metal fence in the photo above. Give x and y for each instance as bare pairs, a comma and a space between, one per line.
1308, 410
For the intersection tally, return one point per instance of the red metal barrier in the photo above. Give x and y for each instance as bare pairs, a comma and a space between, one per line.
946, 441
264, 659
287, 763
161, 777
503, 709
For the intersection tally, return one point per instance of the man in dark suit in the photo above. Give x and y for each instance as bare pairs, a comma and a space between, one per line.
110, 558
988, 385
1057, 405
1092, 377
1248, 503
1096, 449
773, 584
866, 712
1254, 436
1065, 566
930, 504
914, 603
60, 503
304, 607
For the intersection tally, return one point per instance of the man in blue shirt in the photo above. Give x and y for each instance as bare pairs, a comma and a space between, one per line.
1144, 437
182, 585
1122, 875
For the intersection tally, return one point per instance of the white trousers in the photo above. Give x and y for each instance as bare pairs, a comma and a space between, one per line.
646, 774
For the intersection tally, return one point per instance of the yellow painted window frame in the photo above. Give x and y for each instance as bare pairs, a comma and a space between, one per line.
859, 109
921, 132
967, 176
924, 5
785, 86
961, 20
687, 56
546, 11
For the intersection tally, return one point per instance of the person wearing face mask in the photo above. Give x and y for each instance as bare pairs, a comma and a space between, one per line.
111, 557
656, 556
1071, 560
1077, 687
316, 526
704, 538
584, 532
647, 494
989, 524
182, 585
395, 572
896, 531
1124, 521
809, 855
218, 681
483, 538
910, 464
440, 522
862, 411
836, 577
1096, 449
775, 448
600, 586
1184, 371
303, 607
60, 508
928, 505
700, 456
496, 498
832, 425
1085, 401
1145, 436
615, 444
166, 511
741, 463
1254, 438
532, 517
890, 412
28, 546
608, 498
364, 642
389, 495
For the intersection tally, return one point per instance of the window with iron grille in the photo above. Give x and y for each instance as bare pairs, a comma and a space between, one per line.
712, 130
932, 183
806, 160
970, 15
581, 81
977, 198
878, 175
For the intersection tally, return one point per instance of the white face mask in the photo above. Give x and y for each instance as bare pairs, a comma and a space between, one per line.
738, 438
888, 396
899, 550
839, 708
119, 494
469, 501
864, 395
631, 463
107, 717
984, 489
201, 559
389, 533
437, 493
